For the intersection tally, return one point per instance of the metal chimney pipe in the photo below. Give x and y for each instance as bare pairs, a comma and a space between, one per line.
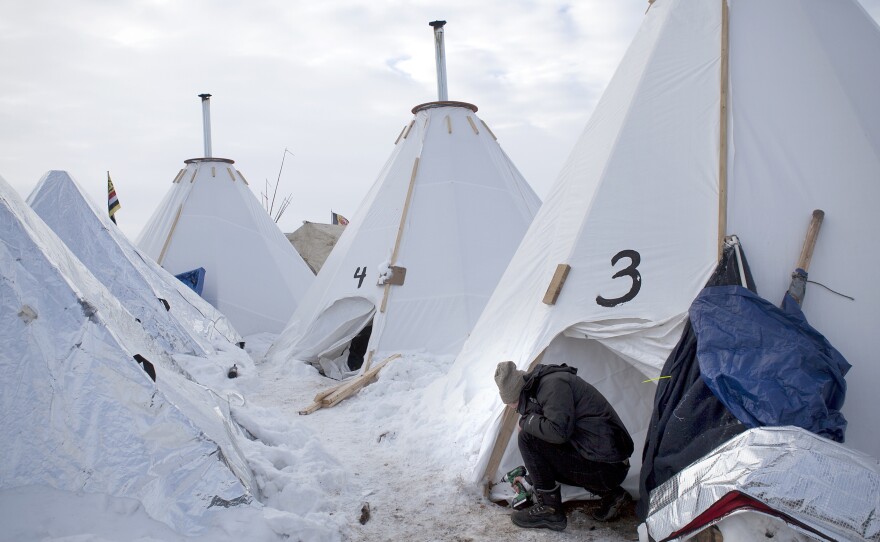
206, 122
440, 54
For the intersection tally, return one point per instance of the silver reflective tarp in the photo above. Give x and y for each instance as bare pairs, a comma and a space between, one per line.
829, 488
78, 413
174, 315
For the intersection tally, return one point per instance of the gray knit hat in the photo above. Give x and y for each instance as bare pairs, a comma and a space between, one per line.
510, 381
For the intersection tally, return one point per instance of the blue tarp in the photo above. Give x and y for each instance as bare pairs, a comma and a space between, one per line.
195, 279
767, 365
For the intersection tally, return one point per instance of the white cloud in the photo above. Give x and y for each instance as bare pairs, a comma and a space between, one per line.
91, 86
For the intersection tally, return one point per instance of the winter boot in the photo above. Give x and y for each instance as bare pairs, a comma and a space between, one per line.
545, 513
611, 505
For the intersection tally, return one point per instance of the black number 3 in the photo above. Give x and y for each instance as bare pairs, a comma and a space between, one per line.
631, 272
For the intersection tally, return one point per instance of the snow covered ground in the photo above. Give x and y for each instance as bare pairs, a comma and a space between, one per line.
372, 468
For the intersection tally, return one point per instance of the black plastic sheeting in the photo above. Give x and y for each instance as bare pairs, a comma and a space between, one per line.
741, 362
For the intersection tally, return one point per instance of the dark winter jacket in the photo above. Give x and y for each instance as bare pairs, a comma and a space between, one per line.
558, 406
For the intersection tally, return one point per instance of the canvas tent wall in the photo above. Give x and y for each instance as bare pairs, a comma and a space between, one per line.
170, 312
210, 218
79, 413
315, 241
638, 209
448, 206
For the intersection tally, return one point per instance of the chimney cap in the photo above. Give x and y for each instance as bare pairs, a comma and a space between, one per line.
443, 103
204, 96
437, 24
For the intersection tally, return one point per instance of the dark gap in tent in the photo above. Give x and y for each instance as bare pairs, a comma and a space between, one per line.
147, 366
347, 359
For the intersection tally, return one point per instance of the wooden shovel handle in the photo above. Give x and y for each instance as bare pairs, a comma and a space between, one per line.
810, 241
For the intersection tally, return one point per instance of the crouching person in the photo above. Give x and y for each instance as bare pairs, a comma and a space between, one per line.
569, 434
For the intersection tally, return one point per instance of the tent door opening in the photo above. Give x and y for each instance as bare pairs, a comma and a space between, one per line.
346, 359
617, 379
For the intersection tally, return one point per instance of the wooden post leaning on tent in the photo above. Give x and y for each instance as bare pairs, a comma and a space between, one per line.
403, 214
170, 233
555, 287
722, 151
369, 361
505, 431
810, 240
332, 396
797, 289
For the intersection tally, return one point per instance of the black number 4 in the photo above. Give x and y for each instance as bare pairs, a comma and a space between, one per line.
631, 272
360, 274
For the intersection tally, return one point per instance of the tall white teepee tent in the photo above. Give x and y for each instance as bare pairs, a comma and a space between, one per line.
685, 146
173, 314
79, 412
440, 223
211, 219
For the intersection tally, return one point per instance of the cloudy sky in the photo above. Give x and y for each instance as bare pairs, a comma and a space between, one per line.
95, 85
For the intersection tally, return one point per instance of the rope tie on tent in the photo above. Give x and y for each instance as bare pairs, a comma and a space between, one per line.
830, 290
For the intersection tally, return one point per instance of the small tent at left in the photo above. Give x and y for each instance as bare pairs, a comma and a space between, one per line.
79, 412
175, 316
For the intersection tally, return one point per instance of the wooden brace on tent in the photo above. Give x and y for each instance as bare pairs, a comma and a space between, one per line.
555, 287
505, 431
334, 394
395, 277
403, 215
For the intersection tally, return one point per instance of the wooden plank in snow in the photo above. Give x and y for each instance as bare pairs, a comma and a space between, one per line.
347, 389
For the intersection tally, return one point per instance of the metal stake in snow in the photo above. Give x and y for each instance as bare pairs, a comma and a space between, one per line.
206, 122
440, 54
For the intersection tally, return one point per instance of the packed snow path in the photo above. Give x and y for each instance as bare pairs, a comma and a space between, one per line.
408, 475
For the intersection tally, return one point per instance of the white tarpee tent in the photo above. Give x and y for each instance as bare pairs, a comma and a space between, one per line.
635, 210
211, 219
79, 413
447, 210
187, 325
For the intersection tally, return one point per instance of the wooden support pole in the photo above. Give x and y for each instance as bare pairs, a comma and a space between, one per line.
722, 153
474, 126
810, 240
400, 135
505, 431
408, 128
403, 215
369, 361
405, 212
170, 233
486, 126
